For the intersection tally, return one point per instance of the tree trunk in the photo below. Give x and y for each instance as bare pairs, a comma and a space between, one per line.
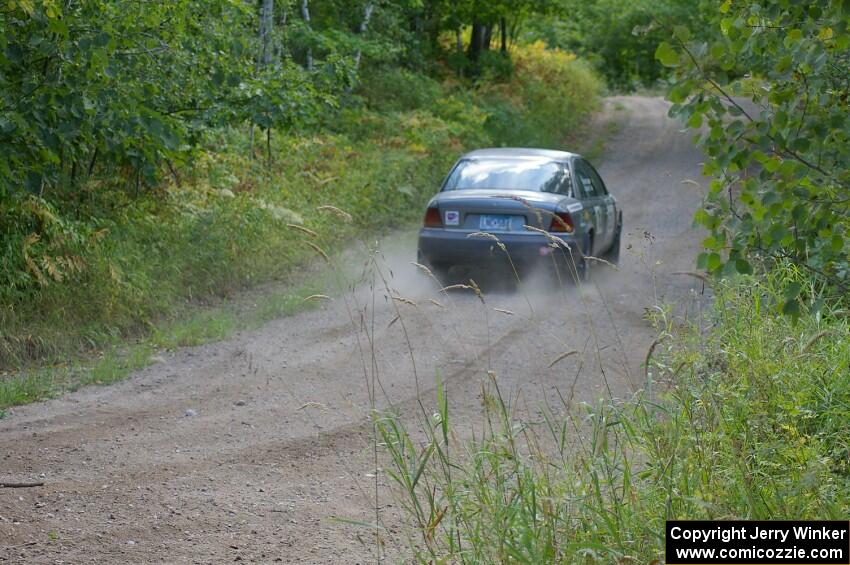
476, 41
251, 145
92, 162
305, 15
516, 25
487, 38
269, 148
266, 32
364, 25
503, 29
279, 49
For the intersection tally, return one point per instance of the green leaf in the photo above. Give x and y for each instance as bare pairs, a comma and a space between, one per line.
679, 93
793, 37
695, 121
718, 50
743, 266
791, 308
772, 165
714, 262
791, 290
682, 32
667, 55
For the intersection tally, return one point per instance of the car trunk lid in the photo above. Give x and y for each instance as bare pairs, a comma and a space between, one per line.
496, 210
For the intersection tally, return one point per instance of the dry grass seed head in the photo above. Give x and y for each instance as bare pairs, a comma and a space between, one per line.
547, 235
536, 211
561, 357
557, 219
404, 300
477, 290
302, 229
483, 234
458, 286
491, 237
313, 405
319, 250
603, 261
335, 211
815, 338
422, 268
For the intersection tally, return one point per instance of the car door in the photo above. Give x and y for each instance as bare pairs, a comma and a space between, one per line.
593, 206
609, 205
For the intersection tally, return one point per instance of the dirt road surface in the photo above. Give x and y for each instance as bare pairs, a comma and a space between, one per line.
258, 448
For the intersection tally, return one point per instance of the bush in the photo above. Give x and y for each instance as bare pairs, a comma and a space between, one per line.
619, 38
548, 98
409, 90
776, 141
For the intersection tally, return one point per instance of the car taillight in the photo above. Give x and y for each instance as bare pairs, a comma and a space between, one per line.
562, 222
432, 218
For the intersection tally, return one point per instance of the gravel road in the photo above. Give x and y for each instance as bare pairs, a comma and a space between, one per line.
257, 448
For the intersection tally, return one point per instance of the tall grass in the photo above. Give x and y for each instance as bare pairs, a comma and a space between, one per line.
749, 421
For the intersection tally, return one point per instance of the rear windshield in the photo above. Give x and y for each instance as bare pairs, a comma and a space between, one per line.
508, 174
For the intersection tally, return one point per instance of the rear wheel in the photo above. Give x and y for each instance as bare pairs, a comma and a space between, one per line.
613, 254
577, 264
587, 251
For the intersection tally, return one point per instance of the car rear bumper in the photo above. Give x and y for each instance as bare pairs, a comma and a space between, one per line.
447, 247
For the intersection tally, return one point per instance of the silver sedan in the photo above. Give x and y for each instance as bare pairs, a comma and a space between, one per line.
521, 208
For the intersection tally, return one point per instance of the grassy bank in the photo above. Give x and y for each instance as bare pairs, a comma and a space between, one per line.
749, 421
85, 275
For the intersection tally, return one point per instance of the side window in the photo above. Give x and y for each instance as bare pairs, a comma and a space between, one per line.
598, 185
564, 182
558, 183
584, 184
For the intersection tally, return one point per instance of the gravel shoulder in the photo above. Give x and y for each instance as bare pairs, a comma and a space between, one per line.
258, 448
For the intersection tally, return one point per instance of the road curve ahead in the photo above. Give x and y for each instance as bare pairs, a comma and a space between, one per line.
257, 448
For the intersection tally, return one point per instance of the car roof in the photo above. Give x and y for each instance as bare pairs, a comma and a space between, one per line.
519, 153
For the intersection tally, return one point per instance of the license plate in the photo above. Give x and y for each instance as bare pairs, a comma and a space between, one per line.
499, 223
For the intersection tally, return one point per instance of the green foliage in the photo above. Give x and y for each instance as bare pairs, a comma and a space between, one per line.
410, 90
619, 38
768, 98
123, 88
548, 97
753, 426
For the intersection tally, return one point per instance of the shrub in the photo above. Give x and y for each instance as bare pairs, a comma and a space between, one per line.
548, 98
776, 142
